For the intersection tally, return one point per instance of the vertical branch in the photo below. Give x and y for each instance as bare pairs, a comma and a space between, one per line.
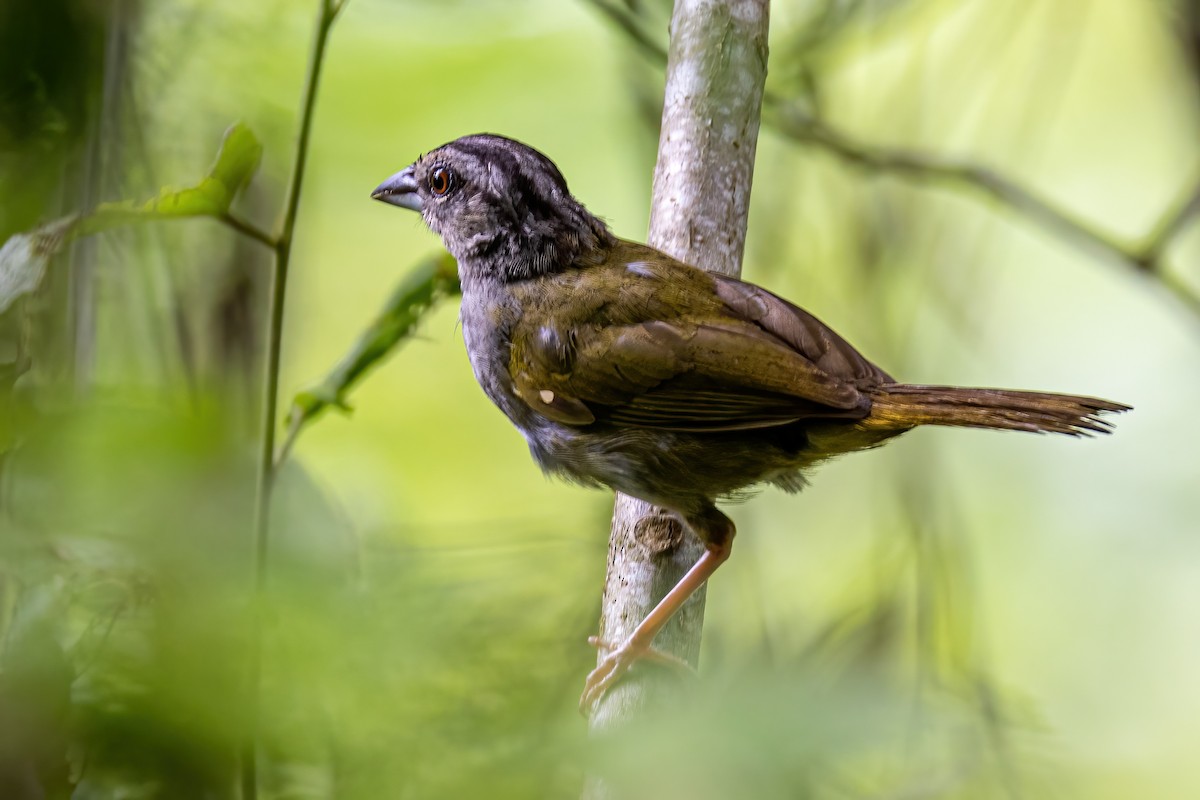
327, 14
715, 73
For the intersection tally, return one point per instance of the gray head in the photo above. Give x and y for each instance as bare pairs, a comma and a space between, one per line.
502, 208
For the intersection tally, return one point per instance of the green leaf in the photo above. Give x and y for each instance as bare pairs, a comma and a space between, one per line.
236, 163
435, 278
24, 256
238, 158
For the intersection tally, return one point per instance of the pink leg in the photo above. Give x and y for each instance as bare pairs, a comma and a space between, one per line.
717, 531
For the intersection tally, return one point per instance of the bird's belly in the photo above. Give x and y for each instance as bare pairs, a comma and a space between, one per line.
681, 471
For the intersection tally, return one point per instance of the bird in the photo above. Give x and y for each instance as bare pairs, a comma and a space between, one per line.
629, 369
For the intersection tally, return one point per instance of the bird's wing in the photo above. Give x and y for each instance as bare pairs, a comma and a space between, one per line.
800, 330
752, 361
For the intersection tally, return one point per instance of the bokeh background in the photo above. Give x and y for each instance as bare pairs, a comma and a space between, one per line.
962, 614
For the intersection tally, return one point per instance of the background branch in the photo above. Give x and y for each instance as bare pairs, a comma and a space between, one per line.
248, 229
1145, 258
713, 98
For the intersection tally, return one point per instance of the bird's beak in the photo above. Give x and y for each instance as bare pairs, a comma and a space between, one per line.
399, 190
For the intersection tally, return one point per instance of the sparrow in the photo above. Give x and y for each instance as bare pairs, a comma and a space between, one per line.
626, 368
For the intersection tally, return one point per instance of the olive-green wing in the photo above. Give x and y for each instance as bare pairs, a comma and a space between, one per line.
687, 376
682, 349
800, 330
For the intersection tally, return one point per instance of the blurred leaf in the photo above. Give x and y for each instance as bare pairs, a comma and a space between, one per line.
35, 688
236, 163
23, 258
435, 278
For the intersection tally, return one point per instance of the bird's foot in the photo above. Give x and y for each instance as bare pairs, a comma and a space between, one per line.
618, 661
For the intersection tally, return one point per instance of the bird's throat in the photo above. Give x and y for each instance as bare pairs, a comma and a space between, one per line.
532, 248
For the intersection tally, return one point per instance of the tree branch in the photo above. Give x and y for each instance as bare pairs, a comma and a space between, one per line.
627, 21
1171, 225
715, 75
248, 229
1145, 259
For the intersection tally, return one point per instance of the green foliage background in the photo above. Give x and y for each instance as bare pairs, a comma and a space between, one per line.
962, 614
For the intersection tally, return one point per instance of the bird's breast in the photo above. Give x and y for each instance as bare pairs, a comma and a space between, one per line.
489, 316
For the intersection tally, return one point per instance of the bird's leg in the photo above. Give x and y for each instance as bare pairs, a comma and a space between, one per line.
717, 531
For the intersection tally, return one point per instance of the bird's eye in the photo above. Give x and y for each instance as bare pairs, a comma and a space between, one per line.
441, 181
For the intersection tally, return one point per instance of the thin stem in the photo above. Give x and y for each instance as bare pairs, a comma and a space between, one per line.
285, 449
327, 14
1172, 224
627, 21
248, 229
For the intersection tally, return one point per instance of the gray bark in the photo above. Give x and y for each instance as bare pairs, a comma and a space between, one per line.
715, 73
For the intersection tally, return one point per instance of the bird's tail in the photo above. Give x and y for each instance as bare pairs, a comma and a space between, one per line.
900, 406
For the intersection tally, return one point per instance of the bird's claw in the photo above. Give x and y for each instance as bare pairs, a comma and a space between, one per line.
618, 661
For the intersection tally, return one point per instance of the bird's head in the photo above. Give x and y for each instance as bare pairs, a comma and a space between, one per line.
502, 208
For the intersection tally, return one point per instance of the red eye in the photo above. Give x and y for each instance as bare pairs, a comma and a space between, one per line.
441, 180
